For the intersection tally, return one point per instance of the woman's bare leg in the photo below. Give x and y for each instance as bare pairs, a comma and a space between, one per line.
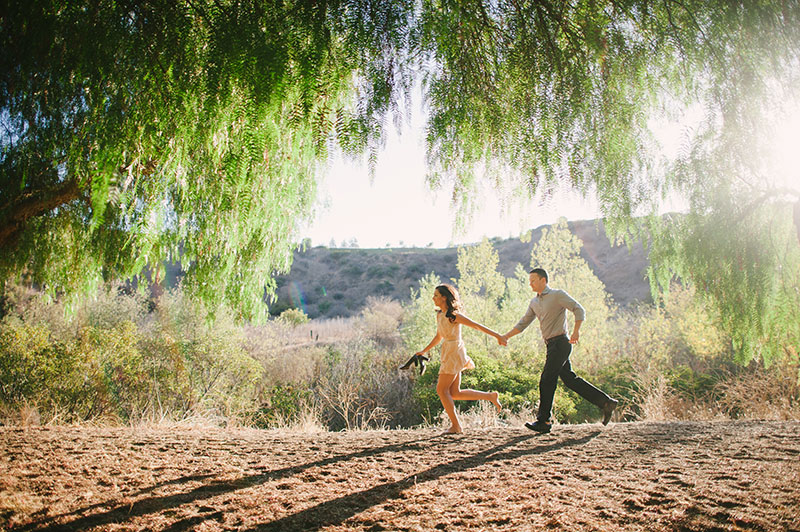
473, 395
443, 387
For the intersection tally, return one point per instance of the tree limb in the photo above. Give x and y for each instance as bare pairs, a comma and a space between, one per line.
32, 204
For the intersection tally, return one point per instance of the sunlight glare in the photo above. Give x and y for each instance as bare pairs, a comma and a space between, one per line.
786, 149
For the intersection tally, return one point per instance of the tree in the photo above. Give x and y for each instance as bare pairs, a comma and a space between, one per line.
139, 132
532, 93
419, 323
558, 252
478, 277
480, 286
136, 132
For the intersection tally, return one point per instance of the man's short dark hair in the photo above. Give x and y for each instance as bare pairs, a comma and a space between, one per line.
540, 272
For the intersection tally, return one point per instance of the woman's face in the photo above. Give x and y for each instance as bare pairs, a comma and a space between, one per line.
439, 300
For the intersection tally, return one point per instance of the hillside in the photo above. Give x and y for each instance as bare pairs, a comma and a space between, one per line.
654, 476
329, 282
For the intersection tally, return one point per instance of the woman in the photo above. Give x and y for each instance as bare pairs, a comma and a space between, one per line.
454, 354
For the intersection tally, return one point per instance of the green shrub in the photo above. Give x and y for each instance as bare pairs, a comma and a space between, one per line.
376, 271
518, 387
293, 316
353, 270
33, 365
384, 288
282, 405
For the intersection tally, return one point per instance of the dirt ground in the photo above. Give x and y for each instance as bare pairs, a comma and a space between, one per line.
709, 476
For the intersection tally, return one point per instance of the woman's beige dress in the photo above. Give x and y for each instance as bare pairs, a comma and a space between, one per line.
454, 352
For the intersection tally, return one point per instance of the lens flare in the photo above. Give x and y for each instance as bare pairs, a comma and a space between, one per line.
297, 296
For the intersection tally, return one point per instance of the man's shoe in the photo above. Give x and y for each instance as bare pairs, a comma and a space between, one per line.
541, 428
608, 409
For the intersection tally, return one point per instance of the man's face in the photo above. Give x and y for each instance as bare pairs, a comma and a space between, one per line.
537, 283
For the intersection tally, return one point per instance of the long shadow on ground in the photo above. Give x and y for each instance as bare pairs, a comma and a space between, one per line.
336, 511
331, 512
123, 513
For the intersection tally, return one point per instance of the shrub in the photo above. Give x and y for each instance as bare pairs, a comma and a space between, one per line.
94, 373
357, 385
293, 316
760, 392
384, 288
518, 388
282, 405
202, 366
34, 367
380, 321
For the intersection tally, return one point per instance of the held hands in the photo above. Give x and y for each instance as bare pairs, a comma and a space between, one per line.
502, 340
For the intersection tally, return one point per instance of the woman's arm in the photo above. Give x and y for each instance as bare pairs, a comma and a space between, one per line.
434, 343
463, 320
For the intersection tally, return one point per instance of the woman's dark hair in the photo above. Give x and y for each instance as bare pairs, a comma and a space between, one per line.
450, 295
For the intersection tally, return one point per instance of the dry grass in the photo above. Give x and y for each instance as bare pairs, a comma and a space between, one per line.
752, 393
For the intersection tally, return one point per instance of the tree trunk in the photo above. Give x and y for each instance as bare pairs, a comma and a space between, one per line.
31, 204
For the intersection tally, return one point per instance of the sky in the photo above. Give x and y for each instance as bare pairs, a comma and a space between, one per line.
398, 209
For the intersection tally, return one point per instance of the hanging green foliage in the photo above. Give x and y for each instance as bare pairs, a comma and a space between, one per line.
136, 133
533, 94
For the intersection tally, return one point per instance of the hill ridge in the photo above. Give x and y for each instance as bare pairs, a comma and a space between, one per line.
333, 282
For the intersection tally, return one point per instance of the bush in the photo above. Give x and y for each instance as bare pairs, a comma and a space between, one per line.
518, 388
34, 367
282, 405
293, 316
101, 364
380, 321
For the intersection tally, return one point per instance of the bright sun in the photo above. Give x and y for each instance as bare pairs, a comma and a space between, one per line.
786, 149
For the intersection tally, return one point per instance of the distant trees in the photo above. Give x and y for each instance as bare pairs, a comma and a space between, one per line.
120, 360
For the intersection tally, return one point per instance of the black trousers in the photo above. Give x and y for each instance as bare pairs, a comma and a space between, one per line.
557, 365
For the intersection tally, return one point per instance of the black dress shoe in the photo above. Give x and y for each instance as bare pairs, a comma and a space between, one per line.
541, 428
608, 409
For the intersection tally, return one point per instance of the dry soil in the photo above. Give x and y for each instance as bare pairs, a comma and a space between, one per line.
682, 476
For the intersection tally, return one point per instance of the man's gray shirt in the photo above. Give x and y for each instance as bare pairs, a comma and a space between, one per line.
551, 308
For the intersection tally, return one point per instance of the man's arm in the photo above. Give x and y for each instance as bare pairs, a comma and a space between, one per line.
523, 323
575, 334
580, 315
504, 338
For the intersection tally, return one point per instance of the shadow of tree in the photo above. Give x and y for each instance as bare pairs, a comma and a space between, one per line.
122, 513
336, 511
330, 512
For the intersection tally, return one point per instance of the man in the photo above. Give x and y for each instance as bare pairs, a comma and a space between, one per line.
551, 306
